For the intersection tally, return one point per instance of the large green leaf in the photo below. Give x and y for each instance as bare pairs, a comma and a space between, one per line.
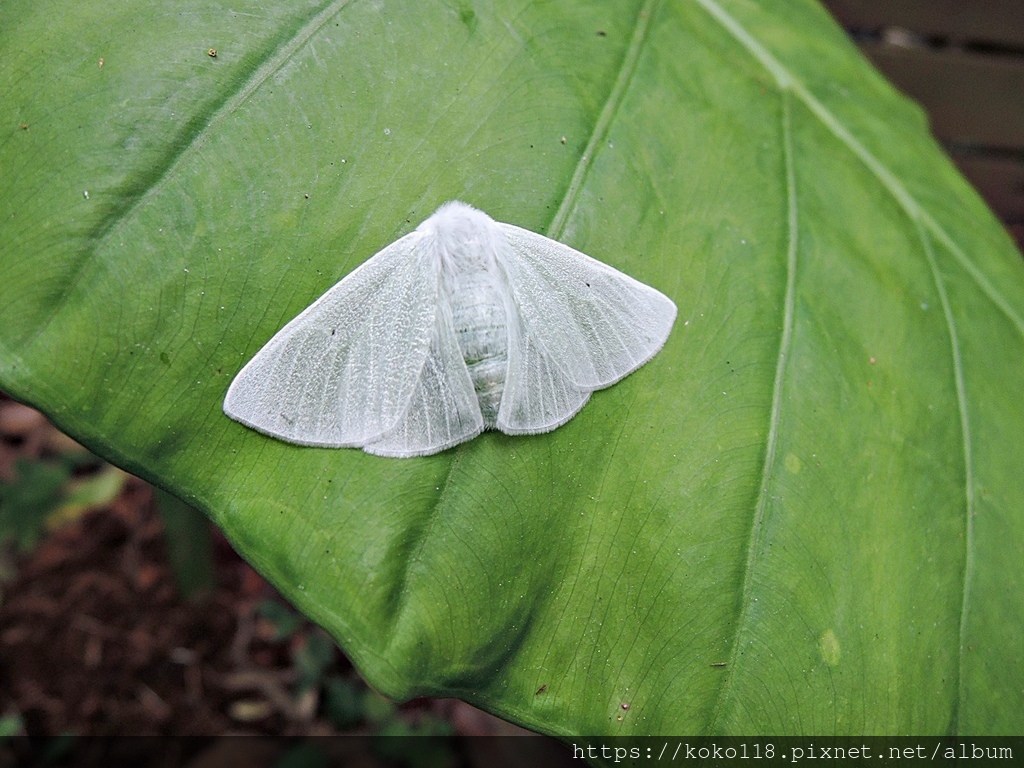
817, 482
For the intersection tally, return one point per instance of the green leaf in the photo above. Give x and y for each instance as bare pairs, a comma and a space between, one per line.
284, 621
28, 500
343, 702
312, 659
189, 546
11, 725
815, 483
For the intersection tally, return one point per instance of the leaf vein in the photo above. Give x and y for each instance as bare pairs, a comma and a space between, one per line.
604, 120
786, 80
191, 138
775, 418
968, 459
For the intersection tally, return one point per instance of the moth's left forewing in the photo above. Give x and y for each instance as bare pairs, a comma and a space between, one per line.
443, 410
344, 371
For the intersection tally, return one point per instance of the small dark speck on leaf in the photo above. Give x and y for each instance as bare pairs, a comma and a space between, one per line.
602, 33
625, 705
165, 358
23, 126
541, 689
468, 17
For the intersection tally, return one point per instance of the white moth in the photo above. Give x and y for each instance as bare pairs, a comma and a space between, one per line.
464, 324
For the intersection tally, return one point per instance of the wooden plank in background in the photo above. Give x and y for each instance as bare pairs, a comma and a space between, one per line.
960, 21
971, 99
1000, 181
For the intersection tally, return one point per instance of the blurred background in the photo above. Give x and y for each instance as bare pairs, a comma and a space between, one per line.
122, 611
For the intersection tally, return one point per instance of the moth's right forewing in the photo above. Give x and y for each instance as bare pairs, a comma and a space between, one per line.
595, 323
342, 373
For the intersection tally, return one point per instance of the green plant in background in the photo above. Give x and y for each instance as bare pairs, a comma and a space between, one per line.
46, 492
27, 501
803, 516
49, 491
11, 725
189, 546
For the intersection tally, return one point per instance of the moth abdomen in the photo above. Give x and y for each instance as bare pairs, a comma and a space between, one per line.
473, 288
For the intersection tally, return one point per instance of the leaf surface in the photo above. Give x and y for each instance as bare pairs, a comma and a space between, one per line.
815, 483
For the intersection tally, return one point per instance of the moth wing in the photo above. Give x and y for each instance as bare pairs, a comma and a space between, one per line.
538, 396
444, 410
343, 372
581, 326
